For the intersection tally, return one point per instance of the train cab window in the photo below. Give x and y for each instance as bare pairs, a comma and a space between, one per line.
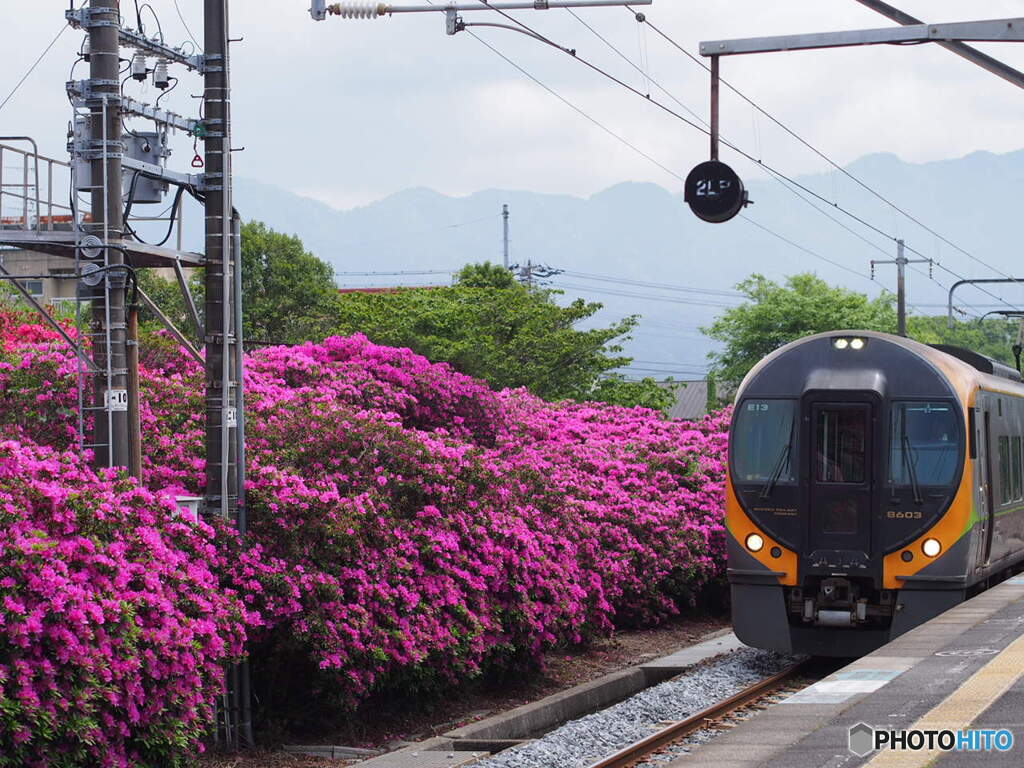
841, 447
1005, 494
924, 444
762, 441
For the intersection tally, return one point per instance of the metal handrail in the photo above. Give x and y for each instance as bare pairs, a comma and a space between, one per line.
35, 153
36, 197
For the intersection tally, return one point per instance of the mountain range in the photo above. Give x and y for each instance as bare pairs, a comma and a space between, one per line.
637, 249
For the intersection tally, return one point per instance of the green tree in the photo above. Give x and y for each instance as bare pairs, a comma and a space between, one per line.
166, 294
491, 327
616, 390
485, 275
289, 295
775, 315
993, 337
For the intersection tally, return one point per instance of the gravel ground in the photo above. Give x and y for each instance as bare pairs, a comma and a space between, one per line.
581, 742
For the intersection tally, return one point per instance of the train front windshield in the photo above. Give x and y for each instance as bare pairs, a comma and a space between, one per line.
762, 442
924, 444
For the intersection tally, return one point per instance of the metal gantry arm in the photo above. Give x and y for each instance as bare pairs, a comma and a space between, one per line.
982, 281
973, 55
994, 31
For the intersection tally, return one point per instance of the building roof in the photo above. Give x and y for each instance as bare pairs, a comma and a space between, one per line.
691, 399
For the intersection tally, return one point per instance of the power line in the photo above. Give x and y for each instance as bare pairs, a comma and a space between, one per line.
811, 147
35, 64
646, 284
403, 272
637, 295
642, 18
645, 74
572, 106
757, 161
779, 178
704, 122
690, 372
188, 31
610, 131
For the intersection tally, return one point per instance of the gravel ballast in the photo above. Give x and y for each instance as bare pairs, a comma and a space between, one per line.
581, 742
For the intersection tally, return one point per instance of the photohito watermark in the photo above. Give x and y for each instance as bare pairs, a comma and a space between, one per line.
864, 739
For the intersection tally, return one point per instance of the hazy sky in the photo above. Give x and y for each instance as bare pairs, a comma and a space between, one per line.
351, 111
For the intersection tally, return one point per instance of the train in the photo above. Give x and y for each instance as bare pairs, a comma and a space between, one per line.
873, 483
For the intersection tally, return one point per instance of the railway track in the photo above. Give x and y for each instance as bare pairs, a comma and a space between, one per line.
638, 751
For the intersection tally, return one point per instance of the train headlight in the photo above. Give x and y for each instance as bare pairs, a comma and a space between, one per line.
857, 344
841, 343
755, 543
931, 547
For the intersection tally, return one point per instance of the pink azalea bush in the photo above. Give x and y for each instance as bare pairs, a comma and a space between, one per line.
113, 628
409, 525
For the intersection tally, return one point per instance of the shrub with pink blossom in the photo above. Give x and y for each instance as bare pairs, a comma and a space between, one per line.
113, 628
408, 525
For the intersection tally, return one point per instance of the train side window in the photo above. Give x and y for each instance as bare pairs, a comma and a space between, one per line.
1004, 469
972, 437
1015, 468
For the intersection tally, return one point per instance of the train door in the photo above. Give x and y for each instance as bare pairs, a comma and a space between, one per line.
988, 496
841, 487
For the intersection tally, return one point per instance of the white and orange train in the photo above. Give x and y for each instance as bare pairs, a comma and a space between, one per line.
874, 482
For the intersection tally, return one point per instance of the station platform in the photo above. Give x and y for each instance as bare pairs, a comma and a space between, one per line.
962, 670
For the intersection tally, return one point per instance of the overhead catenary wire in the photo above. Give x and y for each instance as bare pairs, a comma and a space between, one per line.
779, 178
648, 284
575, 108
814, 149
757, 161
643, 19
398, 273
188, 31
32, 68
639, 295
609, 131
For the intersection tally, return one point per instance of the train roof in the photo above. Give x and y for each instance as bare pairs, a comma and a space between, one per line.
980, 362
963, 368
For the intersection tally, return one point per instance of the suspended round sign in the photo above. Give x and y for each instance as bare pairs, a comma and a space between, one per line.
714, 192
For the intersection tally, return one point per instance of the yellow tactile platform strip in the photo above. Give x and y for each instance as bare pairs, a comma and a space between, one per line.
962, 707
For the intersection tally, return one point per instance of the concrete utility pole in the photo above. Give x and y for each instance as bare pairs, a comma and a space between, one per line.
110, 440
901, 262
504, 215
221, 406
224, 479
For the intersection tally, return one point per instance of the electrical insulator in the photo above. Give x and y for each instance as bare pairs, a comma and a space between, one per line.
139, 69
87, 49
161, 78
358, 10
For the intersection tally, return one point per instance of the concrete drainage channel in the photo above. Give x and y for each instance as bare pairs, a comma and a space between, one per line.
604, 714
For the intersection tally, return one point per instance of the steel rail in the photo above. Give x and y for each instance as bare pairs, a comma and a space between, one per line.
671, 733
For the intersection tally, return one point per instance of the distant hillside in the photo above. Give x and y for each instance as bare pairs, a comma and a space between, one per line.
643, 232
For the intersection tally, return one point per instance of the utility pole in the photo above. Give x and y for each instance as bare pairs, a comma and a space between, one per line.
901, 262
110, 438
221, 406
222, 332
504, 215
